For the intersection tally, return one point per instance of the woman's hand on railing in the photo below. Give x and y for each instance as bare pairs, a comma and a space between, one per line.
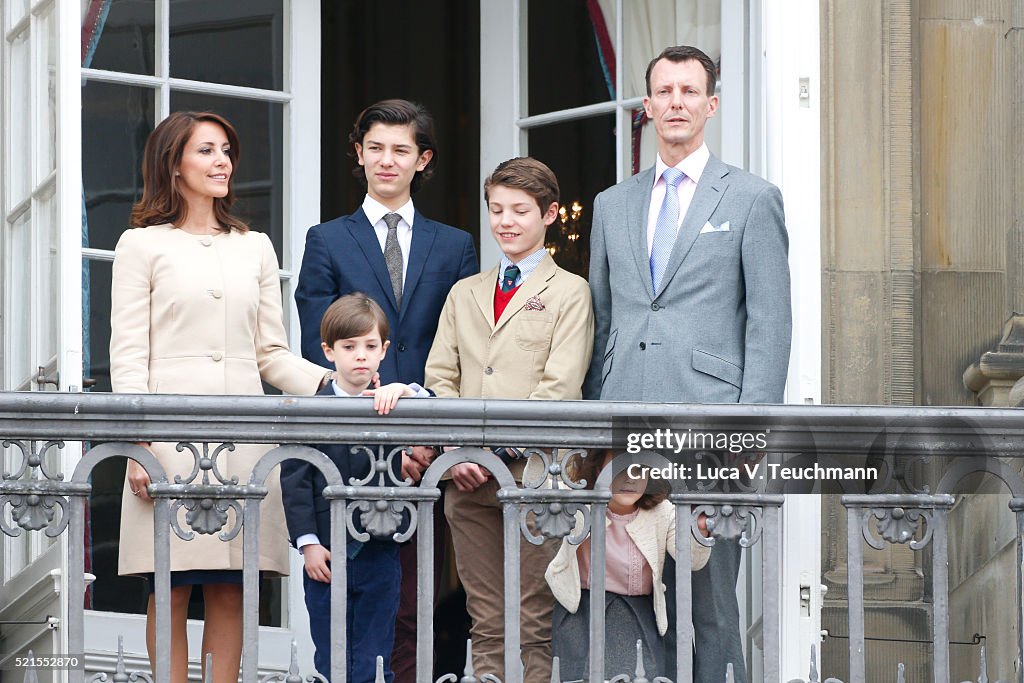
138, 480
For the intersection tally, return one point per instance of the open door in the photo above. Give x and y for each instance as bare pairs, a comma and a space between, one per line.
40, 255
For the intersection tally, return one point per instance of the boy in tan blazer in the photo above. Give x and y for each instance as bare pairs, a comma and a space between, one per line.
519, 331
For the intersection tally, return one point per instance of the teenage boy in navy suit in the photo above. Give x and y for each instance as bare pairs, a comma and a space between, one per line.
354, 332
405, 262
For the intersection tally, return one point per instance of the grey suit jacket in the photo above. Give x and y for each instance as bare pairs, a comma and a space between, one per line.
719, 328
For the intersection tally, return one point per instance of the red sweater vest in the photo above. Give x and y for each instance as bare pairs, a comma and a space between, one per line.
501, 299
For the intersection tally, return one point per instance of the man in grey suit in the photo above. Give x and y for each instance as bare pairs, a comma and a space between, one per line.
690, 283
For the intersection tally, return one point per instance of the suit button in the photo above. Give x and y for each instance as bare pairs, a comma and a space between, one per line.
216, 293
655, 306
217, 356
401, 347
643, 346
206, 241
488, 370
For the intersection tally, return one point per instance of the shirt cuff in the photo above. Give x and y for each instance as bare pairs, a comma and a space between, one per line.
307, 539
418, 391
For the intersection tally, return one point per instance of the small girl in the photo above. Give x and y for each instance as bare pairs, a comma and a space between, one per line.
641, 527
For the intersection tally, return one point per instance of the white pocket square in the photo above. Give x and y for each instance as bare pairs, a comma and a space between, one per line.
724, 227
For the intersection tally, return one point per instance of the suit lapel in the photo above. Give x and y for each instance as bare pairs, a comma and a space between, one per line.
423, 232
709, 193
536, 284
483, 294
638, 207
363, 234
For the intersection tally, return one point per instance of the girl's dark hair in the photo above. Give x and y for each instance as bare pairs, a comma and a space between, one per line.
162, 201
589, 467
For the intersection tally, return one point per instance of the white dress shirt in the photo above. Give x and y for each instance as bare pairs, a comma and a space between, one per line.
693, 167
375, 212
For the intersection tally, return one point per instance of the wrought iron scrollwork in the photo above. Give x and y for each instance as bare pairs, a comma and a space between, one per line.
729, 522
468, 675
121, 673
381, 517
35, 494
293, 675
555, 519
206, 514
898, 525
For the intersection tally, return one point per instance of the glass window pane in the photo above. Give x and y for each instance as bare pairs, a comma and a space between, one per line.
582, 71
16, 9
124, 41
259, 178
116, 119
19, 164
96, 322
239, 42
47, 138
582, 155
650, 27
47, 289
19, 329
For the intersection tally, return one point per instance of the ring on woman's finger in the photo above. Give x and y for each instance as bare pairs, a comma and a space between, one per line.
135, 492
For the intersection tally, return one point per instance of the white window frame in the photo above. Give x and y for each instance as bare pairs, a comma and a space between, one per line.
772, 132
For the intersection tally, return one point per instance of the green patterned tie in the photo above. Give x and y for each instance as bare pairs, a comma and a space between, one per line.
508, 282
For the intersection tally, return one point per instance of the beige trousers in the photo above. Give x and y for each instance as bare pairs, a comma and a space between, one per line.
475, 519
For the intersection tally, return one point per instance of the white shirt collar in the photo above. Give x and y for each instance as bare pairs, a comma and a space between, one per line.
338, 391
375, 211
526, 265
692, 166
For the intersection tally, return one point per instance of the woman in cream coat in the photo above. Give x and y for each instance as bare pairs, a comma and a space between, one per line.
196, 309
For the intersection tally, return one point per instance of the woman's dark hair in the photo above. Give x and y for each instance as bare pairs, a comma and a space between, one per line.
162, 201
589, 467
397, 113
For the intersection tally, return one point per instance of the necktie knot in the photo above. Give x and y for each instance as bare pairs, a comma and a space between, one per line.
391, 219
673, 176
508, 280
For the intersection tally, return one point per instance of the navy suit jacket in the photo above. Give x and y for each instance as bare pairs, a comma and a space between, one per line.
344, 256
305, 508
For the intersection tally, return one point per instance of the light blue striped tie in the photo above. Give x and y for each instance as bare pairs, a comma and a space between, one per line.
665, 228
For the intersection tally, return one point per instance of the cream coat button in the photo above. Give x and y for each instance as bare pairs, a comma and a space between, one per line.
216, 293
206, 241
217, 356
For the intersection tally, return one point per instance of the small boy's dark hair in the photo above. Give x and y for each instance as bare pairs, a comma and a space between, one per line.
353, 315
589, 467
527, 174
397, 113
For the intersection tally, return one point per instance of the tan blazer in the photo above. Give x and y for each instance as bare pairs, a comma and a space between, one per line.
527, 353
654, 532
201, 315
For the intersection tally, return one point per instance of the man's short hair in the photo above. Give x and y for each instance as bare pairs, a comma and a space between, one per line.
684, 53
527, 174
353, 315
397, 113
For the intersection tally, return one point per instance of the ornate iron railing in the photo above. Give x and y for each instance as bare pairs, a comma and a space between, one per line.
896, 506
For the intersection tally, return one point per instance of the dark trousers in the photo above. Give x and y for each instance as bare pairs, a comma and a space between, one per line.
716, 616
403, 658
374, 577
